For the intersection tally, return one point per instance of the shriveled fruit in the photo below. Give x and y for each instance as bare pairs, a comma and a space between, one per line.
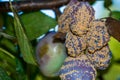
82, 16
76, 18
101, 58
50, 55
75, 44
66, 17
86, 42
78, 68
98, 36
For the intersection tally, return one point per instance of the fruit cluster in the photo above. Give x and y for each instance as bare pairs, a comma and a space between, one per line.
86, 42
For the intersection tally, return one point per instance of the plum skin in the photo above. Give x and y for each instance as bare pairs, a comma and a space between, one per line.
50, 55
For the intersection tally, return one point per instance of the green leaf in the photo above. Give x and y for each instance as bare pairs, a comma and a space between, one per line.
4, 75
12, 65
20, 70
116, 15
6, 52
107, 3
9, 45
7, 61
25, 46
9, 24
113, 73
115, 48
36, 24
92, 2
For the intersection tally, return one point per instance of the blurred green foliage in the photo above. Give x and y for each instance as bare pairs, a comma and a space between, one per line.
107, 3
113, 72
115, 48
4, 75
17, 55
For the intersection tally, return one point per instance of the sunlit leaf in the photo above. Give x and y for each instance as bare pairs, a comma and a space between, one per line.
115, 48
9, 45
113, 73
37, 23
116, 15
25, 46
4, 75
39, 77
6, 52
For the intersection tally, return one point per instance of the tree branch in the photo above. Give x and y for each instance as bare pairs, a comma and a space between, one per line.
35, 5
57, 12
32, 5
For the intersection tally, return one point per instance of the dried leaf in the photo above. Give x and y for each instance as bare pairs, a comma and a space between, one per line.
113, 26
1, 20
